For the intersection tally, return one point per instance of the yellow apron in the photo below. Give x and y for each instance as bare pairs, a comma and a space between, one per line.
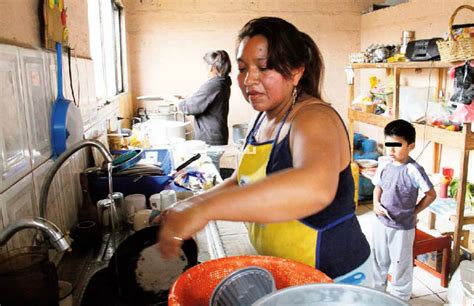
330, 240
275, 239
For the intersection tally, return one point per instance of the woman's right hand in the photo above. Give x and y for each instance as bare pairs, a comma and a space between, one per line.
178, 223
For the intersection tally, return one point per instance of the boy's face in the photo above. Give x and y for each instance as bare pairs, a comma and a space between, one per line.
397, 148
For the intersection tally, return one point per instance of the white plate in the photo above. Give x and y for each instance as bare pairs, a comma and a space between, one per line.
367, 163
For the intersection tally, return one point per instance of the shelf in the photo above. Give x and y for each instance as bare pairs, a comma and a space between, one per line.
466, 220
403, 65
461, 140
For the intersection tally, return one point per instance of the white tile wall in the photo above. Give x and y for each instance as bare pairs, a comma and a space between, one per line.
38, 104
16, 203
68, 204
39, 175
28, 88
14, 154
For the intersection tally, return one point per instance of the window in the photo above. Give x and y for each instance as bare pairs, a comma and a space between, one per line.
107, 45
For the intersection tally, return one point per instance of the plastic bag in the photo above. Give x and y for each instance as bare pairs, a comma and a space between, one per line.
463, 84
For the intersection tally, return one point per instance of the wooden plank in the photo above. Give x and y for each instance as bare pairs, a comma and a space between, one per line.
468, 220
442, 136
369, 118
350, 127
396, 93
403, 65
460, 207
437, 151
467, 129
453, 139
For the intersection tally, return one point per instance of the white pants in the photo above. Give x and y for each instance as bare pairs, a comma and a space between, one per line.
393, 254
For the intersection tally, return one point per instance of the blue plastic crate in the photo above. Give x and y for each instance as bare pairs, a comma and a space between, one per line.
146, 185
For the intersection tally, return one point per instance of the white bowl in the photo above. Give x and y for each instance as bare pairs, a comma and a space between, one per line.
367, 163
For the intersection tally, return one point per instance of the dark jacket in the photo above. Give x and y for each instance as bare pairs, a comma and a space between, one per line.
210, 107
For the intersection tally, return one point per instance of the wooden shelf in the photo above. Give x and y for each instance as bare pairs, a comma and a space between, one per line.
461, 140
466, 219
403, 65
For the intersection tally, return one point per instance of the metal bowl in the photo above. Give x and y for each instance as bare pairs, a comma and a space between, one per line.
329, 295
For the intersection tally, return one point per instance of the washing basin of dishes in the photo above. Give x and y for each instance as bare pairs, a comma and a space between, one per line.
137, 274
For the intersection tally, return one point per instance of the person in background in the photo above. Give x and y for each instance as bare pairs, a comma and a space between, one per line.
294, 183
396, 207
210, 104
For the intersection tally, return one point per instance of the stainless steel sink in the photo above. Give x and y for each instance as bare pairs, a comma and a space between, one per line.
82, 267
100, 290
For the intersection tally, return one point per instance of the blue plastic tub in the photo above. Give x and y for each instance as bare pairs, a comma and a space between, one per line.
146, 185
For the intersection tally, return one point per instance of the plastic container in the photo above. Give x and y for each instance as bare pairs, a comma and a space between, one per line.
243, 287
146, 185
368, 145
461, 286
329, 295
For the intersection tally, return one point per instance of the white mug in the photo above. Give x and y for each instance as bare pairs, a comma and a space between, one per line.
140, 219
168, 198
134, 203
155, 201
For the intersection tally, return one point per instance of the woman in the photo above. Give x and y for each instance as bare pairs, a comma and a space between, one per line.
294, 181
210, 104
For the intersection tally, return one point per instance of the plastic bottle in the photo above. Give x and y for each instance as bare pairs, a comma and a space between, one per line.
448, 174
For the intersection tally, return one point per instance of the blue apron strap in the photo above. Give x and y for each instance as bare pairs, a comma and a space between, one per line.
281, 126
325, 228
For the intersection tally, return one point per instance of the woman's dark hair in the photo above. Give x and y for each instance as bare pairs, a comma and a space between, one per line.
220, 60
401, 128
288, 49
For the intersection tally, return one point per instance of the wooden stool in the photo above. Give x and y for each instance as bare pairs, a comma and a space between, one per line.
425, 243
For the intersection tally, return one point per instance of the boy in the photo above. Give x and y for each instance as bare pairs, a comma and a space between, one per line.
395, 205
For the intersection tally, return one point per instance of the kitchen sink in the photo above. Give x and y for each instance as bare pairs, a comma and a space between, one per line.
101, 291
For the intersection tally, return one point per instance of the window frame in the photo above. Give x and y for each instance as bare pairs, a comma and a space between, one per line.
110, 74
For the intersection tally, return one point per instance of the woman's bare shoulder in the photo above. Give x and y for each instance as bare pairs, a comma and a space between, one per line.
315, 109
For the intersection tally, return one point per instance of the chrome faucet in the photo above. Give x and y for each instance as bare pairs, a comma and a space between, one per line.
56, 237
58, 163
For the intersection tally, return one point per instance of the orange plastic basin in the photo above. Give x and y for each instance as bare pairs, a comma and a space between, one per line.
195, 286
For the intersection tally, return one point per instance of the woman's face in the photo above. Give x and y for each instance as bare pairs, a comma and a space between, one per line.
264, 88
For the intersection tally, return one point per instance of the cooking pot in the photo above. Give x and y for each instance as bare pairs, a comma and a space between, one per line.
171, 116
166, 108
120, 273
27, 277
163, 131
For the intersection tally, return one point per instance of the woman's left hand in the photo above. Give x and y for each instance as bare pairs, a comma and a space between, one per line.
178, 223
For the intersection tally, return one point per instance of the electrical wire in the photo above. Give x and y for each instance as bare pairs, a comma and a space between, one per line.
70, 75
77, 78
426, 115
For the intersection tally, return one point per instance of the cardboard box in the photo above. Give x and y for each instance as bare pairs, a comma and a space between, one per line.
432, 259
